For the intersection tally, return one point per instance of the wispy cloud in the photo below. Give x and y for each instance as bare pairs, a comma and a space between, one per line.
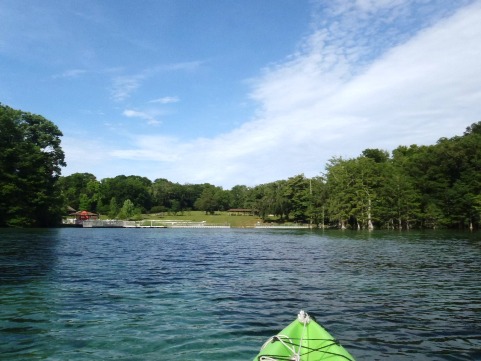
181, 66
72, 73
124, 85
148, 116
341, 93
165, 100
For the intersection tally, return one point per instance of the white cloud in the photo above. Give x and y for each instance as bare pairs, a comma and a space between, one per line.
83, 154
153, 148
338, 95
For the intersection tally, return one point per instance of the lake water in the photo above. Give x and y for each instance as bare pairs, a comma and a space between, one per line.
193, 294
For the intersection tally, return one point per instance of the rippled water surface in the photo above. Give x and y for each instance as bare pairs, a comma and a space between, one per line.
190, 294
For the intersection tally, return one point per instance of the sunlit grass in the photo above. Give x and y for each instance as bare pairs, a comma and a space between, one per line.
199, 216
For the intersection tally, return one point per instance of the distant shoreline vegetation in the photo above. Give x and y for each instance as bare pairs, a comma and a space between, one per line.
436, 186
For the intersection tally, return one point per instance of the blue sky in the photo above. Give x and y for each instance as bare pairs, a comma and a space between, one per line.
240, 92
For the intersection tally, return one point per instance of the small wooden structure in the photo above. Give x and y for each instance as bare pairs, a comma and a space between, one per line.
82, 216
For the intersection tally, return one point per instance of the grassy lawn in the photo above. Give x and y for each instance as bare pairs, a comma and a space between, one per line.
199, 216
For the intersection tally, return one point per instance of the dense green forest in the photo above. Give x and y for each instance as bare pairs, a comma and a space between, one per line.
413, 187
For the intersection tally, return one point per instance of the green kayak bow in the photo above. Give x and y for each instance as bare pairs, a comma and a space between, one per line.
303, 340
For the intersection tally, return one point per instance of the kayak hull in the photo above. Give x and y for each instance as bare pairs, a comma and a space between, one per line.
303, 341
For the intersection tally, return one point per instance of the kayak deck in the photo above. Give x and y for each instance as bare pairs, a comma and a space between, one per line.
303, 340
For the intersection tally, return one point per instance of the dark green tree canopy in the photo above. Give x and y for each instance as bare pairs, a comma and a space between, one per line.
377, 155
74, 186
30, 164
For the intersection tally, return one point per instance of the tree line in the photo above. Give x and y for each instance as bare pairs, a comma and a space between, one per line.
411, 187
435, 186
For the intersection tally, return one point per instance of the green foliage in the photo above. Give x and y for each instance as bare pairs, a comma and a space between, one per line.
428, 186
316, 209
134, 188
270, 199
297, 195
113, 208
399, 201
128, 210
158, 209
173, 196
84, 203
212, 199
377, 155
30, 164
73, 186
239, 197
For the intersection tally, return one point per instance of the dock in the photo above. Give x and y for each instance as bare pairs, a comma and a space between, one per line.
112, 223
281, 226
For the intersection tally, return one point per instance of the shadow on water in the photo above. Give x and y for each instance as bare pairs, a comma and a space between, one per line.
26, 255
28, 258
